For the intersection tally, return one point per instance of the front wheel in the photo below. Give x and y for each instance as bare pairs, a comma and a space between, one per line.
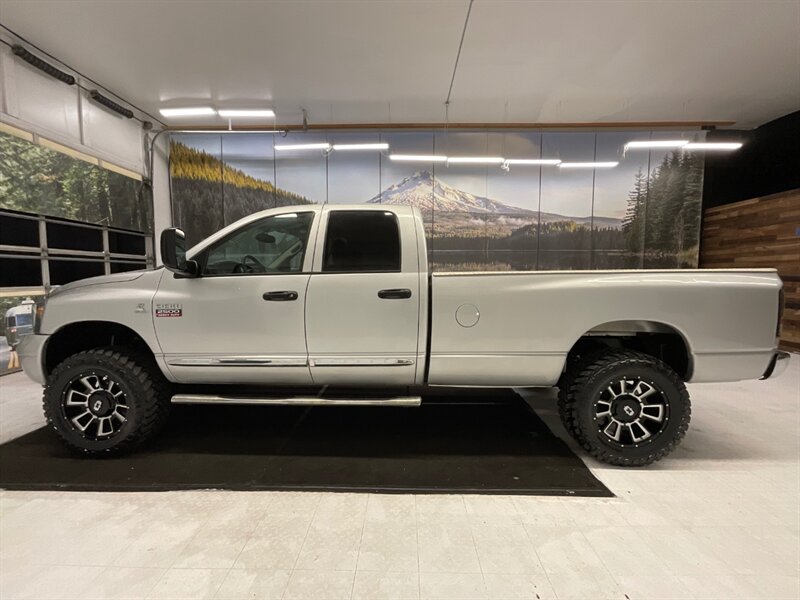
626, 408
105, 401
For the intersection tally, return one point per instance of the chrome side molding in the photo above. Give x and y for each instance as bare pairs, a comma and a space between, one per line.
278, 361
237, 361
296, 400
361, 362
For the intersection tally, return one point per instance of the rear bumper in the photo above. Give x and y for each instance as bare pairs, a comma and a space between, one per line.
31, 356
778, 364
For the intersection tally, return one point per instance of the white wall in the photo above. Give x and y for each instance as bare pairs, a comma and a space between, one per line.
36, 102
162, 207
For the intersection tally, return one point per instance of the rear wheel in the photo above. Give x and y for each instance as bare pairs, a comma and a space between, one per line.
106, 401
566, 408
625, 407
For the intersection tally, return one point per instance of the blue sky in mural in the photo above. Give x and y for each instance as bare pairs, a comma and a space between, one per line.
358, 176
354, 176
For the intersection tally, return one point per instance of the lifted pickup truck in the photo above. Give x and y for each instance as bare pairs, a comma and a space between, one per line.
296, 304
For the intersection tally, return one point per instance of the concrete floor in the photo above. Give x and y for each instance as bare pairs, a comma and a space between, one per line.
718, 519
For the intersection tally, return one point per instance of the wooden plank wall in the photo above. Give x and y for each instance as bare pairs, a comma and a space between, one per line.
760, 232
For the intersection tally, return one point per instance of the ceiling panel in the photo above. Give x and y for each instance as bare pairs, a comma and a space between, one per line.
382, 61
632, 61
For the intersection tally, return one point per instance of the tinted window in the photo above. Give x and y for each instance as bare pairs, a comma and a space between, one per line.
65, 271
362, 241
276, 244
24, 319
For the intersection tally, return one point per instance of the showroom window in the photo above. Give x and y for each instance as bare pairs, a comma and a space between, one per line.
362, 241
38, 251
66, 215
276, 244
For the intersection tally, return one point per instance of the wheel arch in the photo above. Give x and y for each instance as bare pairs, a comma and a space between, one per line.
85, 335
657, 338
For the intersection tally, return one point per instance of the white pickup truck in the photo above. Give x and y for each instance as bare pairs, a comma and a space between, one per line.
318, 304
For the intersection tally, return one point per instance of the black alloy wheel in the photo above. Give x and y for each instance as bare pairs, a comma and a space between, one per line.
95, 404
631, 411
625, 407
106, 401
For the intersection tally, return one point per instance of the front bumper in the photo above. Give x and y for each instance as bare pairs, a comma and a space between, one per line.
31, 356
778, 364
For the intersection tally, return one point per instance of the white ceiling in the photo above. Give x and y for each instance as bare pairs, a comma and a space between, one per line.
392, 60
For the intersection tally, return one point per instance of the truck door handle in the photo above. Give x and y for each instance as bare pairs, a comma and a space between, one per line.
283, 296
395, 294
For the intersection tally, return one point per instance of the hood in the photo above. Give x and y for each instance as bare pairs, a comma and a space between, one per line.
100, 280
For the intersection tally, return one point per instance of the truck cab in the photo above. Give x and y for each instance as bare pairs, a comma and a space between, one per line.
323, 296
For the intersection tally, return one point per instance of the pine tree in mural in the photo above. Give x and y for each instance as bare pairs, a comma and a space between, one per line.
39, 180
692, 210
633, 222
207, 194
664, 211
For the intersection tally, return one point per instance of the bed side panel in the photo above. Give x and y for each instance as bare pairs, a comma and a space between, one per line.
528, 322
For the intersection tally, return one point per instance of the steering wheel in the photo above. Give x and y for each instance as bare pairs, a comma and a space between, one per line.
243, 267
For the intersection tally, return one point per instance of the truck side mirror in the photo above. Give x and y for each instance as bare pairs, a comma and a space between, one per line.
173, 253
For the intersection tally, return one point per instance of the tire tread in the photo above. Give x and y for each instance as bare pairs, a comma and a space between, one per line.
570, 396
137, 369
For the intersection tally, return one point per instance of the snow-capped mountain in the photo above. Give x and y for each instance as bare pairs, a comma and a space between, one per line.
416, 191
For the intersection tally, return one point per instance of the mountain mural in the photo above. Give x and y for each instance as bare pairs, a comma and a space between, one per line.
428, 194
465, 231
416, 191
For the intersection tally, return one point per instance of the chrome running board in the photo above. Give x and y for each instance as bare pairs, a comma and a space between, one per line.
296, 400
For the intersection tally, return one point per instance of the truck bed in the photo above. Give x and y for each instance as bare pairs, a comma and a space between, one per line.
528, 321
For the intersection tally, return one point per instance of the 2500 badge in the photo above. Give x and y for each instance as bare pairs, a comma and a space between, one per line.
169, 310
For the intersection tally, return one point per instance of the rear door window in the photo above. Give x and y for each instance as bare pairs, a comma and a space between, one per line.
362, 241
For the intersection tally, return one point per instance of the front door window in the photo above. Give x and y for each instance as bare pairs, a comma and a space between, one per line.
275, 244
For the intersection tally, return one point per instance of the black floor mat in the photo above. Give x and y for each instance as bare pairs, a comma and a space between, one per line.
456, 442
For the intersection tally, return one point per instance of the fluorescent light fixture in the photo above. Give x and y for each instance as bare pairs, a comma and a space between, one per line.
475, 160
533, 161
230, 113
656, 144
380, 146
418, 157
588, 165
316, 146
713, 146
192, 111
